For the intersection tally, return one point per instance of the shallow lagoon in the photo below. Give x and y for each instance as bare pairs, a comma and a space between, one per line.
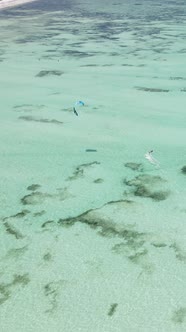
92, 235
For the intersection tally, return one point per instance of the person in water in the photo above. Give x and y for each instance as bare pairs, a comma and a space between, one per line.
75, 112
150, 158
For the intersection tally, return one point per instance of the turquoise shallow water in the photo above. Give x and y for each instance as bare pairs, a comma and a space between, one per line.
92, 234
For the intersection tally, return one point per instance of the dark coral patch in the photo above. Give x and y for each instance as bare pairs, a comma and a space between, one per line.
34, 198
43, 73
143, 191
99, 180
47, 257
5, 289
179, 315
146, 186
21, 214
105, 227
151, 89
39, 213
180, 253
91, 150
46, 223
112, 309
13, 231
33, 187
42, 120
145, 179
183, 169
79, 171
134, 166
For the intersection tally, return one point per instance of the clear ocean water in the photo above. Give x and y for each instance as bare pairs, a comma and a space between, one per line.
93, 235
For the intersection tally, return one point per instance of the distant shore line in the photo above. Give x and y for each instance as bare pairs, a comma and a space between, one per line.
12, 3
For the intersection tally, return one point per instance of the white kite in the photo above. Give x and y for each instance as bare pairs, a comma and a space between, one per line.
150, 158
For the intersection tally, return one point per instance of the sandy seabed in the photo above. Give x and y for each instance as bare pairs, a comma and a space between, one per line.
92, 235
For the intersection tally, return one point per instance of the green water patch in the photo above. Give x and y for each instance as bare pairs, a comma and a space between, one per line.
112, 309
179, 316
44, 73
6, 288
41, 120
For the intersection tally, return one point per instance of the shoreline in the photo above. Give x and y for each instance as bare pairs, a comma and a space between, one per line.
13, 3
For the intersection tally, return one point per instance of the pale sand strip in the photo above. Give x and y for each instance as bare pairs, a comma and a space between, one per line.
12, 3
